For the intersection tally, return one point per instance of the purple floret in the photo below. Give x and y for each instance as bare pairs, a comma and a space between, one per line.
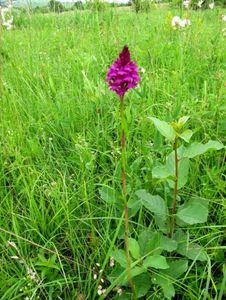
123, 73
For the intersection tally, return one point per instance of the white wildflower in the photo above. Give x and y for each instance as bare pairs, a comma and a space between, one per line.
211, 5
199, 4
224, 18
176, 21
119, 291
14, 257
186, 3
112, 261
142, 70
95, 276
12, 244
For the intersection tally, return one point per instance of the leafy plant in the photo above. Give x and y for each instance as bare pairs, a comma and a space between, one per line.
151, 263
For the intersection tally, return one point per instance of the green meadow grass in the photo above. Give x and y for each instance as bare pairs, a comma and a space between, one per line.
60, 142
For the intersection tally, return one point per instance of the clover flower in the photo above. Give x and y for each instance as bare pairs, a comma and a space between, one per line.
123, 73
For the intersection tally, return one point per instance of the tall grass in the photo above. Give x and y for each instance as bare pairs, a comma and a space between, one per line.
59, 141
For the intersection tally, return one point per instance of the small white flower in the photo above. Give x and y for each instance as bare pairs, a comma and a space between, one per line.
12, 244
14, 257
224, 18
94, 276
176, 21
199, 4
100, 287
112, 261
211, 5
97, 264
186, 3
99, 292
119, 291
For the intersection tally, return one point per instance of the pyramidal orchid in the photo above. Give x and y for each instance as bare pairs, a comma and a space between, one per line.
123, 73
122, 76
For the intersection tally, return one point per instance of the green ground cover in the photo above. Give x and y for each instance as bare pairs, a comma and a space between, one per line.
60, 145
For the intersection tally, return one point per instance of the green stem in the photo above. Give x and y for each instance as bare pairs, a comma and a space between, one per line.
124, 191
174, 208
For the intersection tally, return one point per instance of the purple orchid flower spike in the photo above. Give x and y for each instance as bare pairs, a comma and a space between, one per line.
123, 73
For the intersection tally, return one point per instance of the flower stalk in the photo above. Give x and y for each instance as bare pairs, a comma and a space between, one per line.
124, 190
174, 208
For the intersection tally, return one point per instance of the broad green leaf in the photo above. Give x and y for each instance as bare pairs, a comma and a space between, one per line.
134, 205
149, 242
183, 171
155, 261
134, 248
153, 203
160, 221
120, 256
108, 194
161, 172
186, 135
166, 285
183, 120
137, 271
183, 167
168, 244
192, 251
176, 268
167, 171
164, 128
193, 211
168, 291
196, 149
142, 284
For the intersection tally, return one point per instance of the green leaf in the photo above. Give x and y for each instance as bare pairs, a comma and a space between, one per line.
137, 271
161, 172
196, 149
133, 206
167, 171
120, 256
176, 268
108, 194
164, 128
155, 261
168, 291
153, 203
168, 244
183, 167
192, 251
183, 120
193, 211
142, 284
166, 285
186, 135
149, 242
134, 248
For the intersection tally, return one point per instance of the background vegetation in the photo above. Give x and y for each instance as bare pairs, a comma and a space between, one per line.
60, 143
